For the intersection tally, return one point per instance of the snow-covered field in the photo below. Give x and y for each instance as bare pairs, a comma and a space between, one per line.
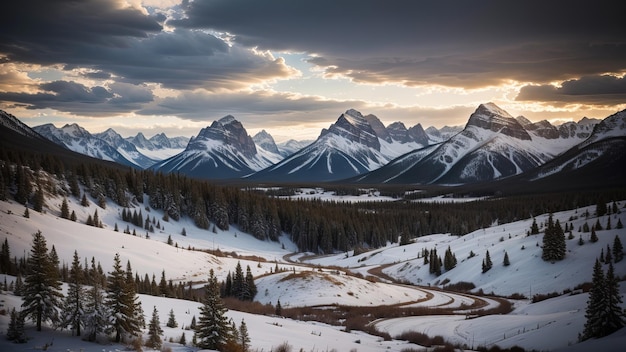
308, 281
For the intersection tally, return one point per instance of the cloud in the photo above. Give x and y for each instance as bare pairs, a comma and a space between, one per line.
453, 43
78, 99
593, 90
130, 46
257, 107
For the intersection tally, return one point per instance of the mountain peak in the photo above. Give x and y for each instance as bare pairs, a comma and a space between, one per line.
228, 119
491, 117
352, 126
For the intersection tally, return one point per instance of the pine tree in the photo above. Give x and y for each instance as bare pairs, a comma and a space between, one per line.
16, 332
212, 329
73, 216
42, 290
619, 224
506, 261
26, 213
122, 302
279, 309
614, 318
38, 200
534, 229
171, 321
65, 209
74, 301
618, 250
154, 331
487, 263
183, 339
596, 304
96, 317
594, 237
250, 285
84, 202
244, 337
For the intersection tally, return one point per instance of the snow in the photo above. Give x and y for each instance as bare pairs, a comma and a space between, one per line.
306, 281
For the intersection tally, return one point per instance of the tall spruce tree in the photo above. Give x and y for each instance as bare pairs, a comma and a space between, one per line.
154, 331
96, 317
244, 337
212, 328
16, 331
618, 250
121, 301
487, 263
42, 290
614, 318
604, 313
74, 305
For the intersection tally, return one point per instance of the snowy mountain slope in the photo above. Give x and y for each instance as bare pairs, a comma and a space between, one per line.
125, 148
348, 148
267, 148
492, 145
291, 146
547, 325
222, 150
159, 146
14, 124
77, 139
599, 157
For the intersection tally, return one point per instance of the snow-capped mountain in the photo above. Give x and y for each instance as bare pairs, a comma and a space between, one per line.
78, 139
125, 148
291, 146
349, 147
160, 146
266, 147
599, 158
441, 135
13, 123
223, 150
492, 145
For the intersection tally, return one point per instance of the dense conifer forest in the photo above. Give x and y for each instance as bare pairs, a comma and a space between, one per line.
314, 225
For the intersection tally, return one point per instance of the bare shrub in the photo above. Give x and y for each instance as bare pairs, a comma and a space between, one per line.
284, 347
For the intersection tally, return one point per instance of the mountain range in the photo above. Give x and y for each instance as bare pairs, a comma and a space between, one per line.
493, 145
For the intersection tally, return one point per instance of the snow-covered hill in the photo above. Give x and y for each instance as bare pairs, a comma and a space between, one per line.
307, 281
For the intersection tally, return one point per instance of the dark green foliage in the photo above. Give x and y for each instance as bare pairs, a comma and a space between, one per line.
618, 250
244, 337
212, 329
26, 213
171, 321
16, 332
604, 314
38, 200
619, 224
42, 289
506, 261
487, 263
154, 331
73, 216
84, 202
554, 246
74, 304
65, 209
594, 237
449, 260
121, 300
534, 228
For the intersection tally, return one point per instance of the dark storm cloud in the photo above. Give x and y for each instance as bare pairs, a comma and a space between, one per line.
592, 90
128, 45
195, 105
79, 99
454, 43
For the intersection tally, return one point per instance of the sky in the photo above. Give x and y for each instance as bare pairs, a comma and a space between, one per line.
293, 67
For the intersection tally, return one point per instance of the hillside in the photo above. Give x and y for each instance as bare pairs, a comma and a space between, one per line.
305, 282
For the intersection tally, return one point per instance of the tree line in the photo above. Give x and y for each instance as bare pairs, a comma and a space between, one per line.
313, 225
